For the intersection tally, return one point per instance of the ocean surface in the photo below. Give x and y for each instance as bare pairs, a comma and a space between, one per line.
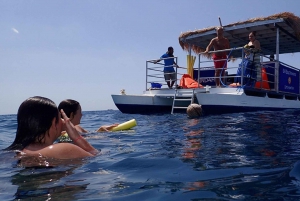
242, 156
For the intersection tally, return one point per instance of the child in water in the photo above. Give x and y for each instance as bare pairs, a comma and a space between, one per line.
73, 110
39, 126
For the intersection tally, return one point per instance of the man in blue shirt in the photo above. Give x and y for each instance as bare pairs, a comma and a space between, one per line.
169, 72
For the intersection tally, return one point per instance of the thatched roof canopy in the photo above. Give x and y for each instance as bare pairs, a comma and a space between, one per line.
237, 34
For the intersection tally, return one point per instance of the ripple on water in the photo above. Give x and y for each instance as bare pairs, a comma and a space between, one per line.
243, 156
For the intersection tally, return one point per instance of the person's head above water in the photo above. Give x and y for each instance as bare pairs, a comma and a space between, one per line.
35, 117
72, 109
40, 125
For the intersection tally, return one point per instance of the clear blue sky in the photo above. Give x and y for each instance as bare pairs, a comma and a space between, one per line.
89, 49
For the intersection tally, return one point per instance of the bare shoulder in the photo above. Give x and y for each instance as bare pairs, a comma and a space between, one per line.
61, 151
256, 44
80, 129
213, 41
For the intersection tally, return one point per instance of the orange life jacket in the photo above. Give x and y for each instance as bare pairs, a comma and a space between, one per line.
187, 82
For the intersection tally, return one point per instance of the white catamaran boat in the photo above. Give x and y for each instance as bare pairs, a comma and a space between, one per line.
277, 89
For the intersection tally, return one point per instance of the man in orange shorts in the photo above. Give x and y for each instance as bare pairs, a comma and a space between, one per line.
220, 58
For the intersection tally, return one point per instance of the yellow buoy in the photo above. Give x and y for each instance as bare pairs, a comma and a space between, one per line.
125, 126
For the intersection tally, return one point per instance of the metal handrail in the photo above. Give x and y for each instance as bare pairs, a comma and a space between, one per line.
158, 78
155, 73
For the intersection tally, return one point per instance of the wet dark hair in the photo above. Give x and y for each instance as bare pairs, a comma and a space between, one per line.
34, 119
69, 106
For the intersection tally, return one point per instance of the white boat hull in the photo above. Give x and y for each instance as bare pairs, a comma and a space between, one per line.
151, 101
235, 100
217, 100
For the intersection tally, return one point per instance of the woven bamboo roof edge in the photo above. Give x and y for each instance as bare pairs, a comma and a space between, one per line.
290, 18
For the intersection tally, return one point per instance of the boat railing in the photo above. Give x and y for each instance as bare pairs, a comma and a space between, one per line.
205, 73
155, 73
266, 73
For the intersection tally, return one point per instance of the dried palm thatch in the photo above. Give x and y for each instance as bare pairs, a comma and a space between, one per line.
290, 18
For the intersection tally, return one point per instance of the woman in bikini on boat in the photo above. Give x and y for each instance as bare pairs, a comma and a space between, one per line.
254, 55
251, 53
253, 42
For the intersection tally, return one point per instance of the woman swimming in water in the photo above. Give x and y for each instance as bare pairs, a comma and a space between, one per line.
40, 125
73, 110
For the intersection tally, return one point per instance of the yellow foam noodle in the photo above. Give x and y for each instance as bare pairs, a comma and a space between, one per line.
125, 126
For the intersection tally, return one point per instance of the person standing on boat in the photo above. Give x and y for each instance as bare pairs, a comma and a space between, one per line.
220, 58
169, 72
253, 55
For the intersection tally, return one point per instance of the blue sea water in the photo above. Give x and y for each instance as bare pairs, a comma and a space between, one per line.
242, 156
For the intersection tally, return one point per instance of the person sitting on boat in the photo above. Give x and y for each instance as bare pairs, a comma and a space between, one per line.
220, 58
72, 109
40, 125
169, 72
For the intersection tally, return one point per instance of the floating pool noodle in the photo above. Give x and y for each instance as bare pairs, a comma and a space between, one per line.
125, 126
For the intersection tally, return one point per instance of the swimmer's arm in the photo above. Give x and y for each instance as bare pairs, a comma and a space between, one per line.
76, 137
106, 128
83, 144
80, 129
63, 151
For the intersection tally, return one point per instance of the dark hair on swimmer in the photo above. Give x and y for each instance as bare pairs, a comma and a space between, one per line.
69, 106
35, 116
